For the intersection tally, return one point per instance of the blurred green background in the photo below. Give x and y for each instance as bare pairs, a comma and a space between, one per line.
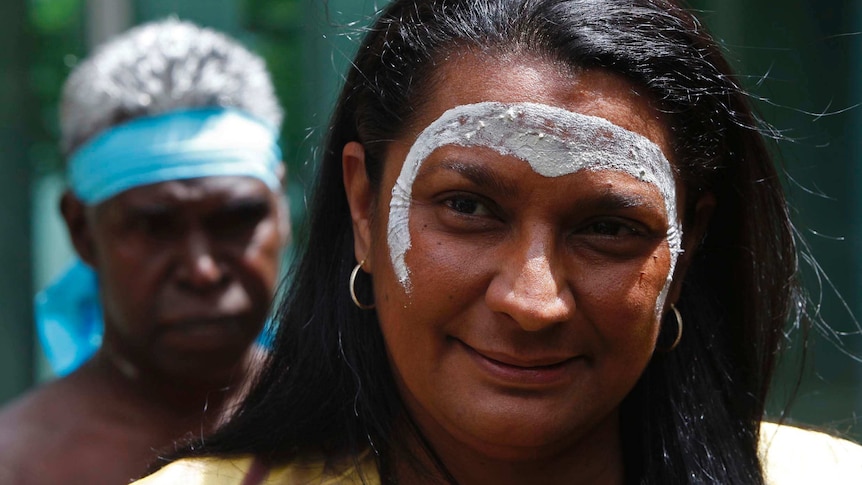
801, 60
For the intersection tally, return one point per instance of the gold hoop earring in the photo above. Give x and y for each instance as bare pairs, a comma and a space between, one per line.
678, 331
353, 290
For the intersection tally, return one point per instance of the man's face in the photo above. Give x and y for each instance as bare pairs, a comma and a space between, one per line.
187, 271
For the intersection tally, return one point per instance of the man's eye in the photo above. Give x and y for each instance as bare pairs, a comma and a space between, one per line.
238, 221
157, 226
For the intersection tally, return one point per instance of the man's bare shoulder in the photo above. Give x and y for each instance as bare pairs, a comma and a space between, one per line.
34, 414
41, 426
92, 428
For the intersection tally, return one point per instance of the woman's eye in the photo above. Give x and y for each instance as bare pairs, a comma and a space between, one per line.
612, 228
464, 205
619, 238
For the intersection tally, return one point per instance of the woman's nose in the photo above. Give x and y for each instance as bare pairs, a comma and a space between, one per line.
529, 289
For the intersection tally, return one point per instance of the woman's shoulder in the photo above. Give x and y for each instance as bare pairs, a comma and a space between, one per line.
794, 455
246, 470
203, 471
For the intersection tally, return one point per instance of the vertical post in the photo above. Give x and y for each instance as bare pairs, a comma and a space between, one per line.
16, 322
223, 15
107, 18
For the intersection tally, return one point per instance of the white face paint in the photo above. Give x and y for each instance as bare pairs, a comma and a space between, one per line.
553, 141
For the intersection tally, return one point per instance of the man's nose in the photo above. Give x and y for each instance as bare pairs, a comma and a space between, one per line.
199, 267
528, 287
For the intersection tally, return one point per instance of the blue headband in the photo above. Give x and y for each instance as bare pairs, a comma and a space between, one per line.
178, 145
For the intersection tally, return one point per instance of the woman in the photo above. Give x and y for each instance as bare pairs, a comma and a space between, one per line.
548, 245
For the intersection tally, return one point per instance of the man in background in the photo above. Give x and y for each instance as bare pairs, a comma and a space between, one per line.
175, 204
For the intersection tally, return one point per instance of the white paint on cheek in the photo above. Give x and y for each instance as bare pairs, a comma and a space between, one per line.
553, 141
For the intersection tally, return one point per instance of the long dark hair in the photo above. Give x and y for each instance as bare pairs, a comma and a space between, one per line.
693, 417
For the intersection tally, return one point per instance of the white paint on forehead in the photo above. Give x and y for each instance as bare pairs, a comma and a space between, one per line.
554, 142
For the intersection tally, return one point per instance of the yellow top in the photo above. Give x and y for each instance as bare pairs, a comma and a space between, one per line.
796, 456
790, 456
219, 471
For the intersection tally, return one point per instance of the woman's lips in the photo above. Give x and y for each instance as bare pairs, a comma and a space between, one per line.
534, 371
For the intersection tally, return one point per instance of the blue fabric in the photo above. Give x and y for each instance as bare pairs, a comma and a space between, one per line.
178, 145
69, 318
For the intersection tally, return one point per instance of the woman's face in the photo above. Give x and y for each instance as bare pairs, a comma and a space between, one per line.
519, 288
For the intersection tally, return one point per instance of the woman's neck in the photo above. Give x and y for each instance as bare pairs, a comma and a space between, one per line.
595, 459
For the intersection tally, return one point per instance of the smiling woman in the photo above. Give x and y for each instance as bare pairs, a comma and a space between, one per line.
519, 300
548, 245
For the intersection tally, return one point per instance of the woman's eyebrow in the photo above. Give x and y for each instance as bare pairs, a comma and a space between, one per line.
480, 175
611, 200
483, 176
